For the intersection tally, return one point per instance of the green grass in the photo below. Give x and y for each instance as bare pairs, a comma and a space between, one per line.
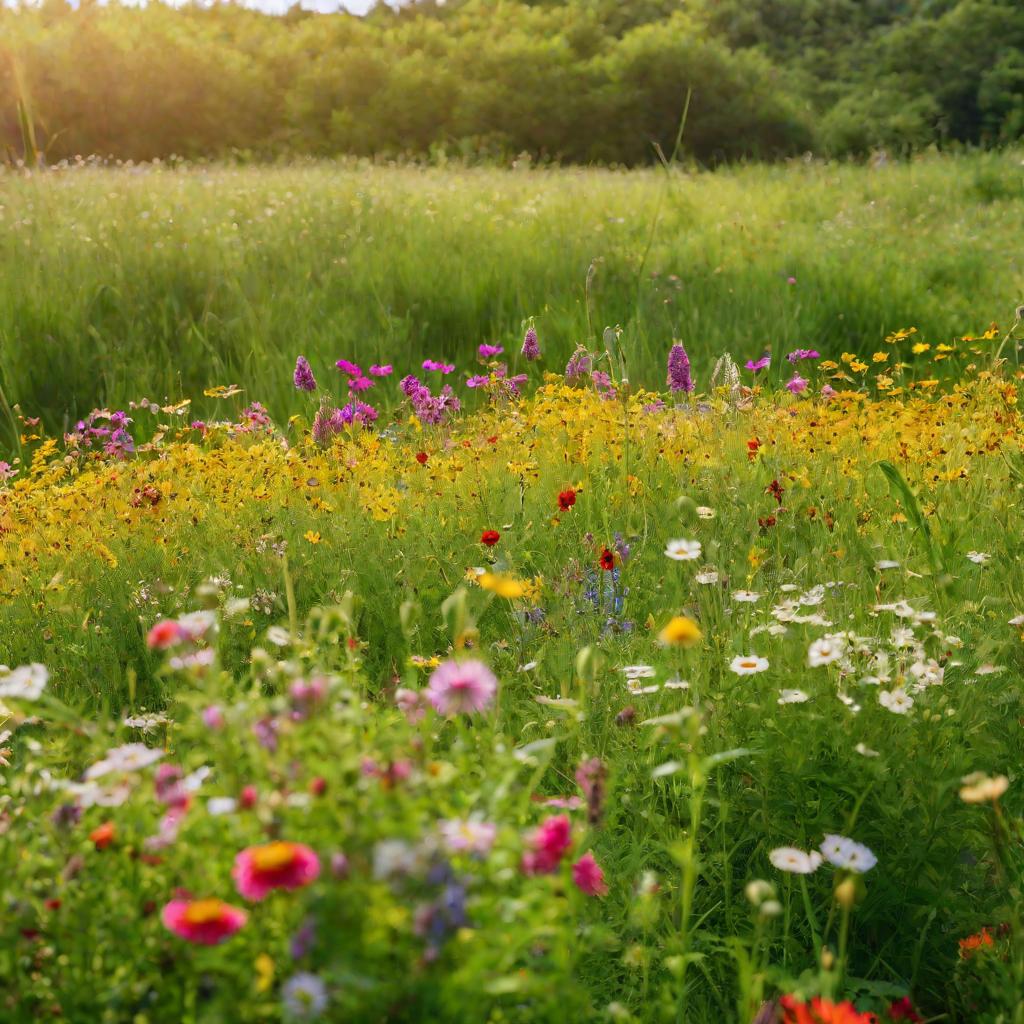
119, 283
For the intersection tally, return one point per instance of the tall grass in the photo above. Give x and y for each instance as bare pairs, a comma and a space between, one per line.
152, 280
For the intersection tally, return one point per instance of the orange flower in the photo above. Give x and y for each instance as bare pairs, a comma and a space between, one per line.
103, 835
970, 945
822, 1011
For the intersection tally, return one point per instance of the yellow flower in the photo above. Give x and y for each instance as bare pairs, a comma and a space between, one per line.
312, 536
680, 632
223, 391
503, 586
921, 346
880, 357
264, 973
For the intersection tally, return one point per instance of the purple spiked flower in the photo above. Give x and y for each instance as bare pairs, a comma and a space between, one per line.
679, 378
303, 377
531, 347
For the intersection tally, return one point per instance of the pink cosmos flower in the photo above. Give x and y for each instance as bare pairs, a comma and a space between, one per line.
588, 876
548, 845
277, 865
462, 687
206, 922
796, 384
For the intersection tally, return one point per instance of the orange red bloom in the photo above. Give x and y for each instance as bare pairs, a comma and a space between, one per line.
822, 1011
206, 922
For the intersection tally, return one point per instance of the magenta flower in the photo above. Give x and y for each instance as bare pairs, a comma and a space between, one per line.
433, 364
350, 368
828, 392
206, 922
548, 845
462, 687
803, 353
588, 876
359, 384
796, 384
478, 380
679, 378
382, 371
487, 351
761, 364
303, 376
277, 865
531, 348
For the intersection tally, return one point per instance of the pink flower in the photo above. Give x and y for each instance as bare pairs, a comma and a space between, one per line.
828, 392
359, 384
206, 922
796, 384
277, 865
462, 687
213, 717
588, 876
469, 836
433, 364
486, 351
410, 702
760, 364
382, 371
350, 368
548, 845
166, 633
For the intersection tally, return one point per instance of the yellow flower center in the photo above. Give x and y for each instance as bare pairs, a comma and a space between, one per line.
273, 856
204, 911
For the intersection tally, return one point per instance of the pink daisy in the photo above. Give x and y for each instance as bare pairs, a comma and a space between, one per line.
462, 687
277, 865
206, 922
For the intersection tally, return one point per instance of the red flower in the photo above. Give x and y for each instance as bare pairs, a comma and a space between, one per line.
103, 835
607, 560
822, 1011
421, 458
973, 943
903, 1009
490, 537
566, 499
752, 446
588, 876
775, 490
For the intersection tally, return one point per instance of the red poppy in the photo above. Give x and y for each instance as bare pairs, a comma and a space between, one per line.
490, 537
103, 835
421, 458
566, 499
607, 560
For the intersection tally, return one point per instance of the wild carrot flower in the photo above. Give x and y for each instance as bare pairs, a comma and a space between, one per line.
548, 845
462, 687
679, 378
589, 876
531, 347
206, 922
278, 865
303, 376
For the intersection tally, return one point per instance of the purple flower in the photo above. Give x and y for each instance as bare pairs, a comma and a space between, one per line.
796, 384
350, 368
580, 364
303, 376
761, 364
382, 371
531, 348
433, 364
828, 392
803, 353
458, 687
487, 351
360, 384
679, 378
478, 381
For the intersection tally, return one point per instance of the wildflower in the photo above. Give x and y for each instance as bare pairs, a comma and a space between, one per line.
821, 1011
24, 683
796, 384
503, 586
469, 836
679, 378
303, 376
487, 351
825, 652
548, 845
703, 512
706, 577
313, 536
531, 347
348, 368
490, 538
971, 945
979, 788
760, 364
436, 366
206, 922
797, 862
639, 672
845, 853
680, 631
803, 353
978, 557
278, 865
590, 776
462, 687
828, 392
382, 371
897, 701
304, 996
410, 703
213, 717
748, 664
589, 876
683, 550
580, 364
359, 383
792, 697
165, 633
131, 757
566, 499
607, 560
746, 596
103, 835
903, 1009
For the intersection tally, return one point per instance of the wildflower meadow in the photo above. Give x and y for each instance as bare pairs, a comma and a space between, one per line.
494, 686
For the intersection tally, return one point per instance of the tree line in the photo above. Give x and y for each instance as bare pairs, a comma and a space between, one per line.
576, 81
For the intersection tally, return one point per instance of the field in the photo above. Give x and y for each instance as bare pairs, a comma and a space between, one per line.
594, 679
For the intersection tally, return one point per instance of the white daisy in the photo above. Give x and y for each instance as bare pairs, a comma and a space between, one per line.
132, 757
746, 596
897, 701
24, 683
748, 664
825, 651
797, 862
683, 550
978, 557
845, 853
792, 697
639, 671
